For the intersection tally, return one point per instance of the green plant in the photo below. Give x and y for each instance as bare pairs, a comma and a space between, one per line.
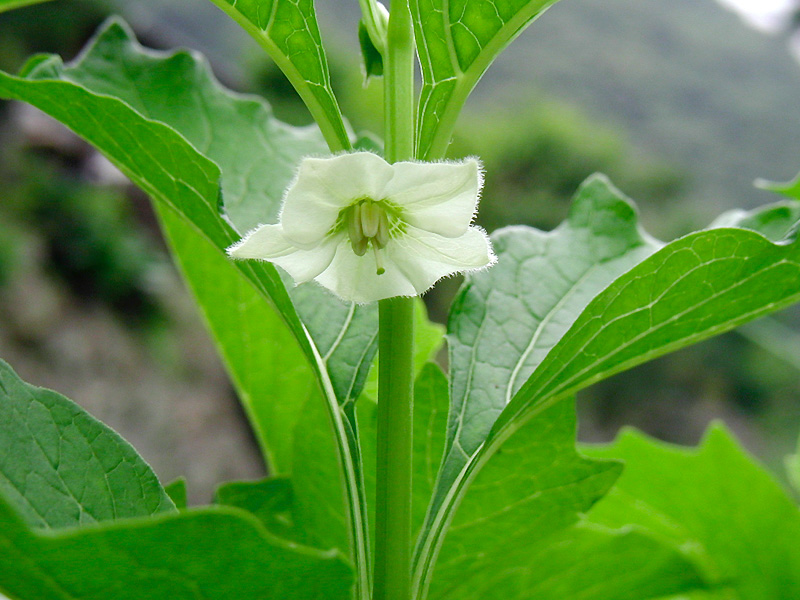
479, 491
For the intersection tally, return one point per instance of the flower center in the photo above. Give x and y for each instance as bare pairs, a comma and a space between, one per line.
368, 225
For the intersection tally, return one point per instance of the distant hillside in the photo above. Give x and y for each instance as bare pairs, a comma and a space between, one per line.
686, 80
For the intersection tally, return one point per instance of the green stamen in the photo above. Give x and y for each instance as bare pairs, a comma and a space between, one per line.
367, 224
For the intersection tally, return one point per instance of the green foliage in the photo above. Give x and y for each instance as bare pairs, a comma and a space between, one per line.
62, 469
186, 186
171, 556
714, 502
505, 321
500, 492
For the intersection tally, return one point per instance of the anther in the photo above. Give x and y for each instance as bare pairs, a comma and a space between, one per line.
370, 218
382, 235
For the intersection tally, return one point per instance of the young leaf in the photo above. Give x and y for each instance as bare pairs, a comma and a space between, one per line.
178, 493
372, 60
738, 525
60, 467
505, 320
288, 31
457, 41
208, 553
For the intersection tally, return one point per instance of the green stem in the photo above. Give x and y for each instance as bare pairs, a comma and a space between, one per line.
392, 574
398, 68
392, 577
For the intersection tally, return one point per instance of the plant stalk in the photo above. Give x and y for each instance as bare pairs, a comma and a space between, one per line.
392, 576
393, 547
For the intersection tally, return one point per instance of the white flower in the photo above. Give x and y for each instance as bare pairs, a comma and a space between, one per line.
367, 230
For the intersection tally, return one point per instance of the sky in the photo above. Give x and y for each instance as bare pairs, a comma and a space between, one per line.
768, 15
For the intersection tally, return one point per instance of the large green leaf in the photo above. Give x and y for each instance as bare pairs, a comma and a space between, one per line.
205, 553
457, 40
272, 377
12, 4
586, 562
505, 320
732, 517
695, 287
288, 31
60, 467
187, 185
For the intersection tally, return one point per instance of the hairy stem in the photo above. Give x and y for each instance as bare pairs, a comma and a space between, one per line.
392, 575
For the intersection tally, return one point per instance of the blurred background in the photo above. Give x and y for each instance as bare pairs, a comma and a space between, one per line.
683, 103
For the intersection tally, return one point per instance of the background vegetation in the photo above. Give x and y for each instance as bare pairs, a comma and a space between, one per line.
685, 105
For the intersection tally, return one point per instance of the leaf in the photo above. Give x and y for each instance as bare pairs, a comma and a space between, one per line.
695, 287
248, 332
790, 189
776, 222
457, 40
346, 336
372, 60
503, 509
586, 562
177, 492
736, 522
505, 320
12, 4
198, 553
288, 32
320, 507
270, 500
60, 467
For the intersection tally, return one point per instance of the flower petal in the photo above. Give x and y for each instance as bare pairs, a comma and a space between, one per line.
354, 278
426, 257
324, 186
268, 242
438, 197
